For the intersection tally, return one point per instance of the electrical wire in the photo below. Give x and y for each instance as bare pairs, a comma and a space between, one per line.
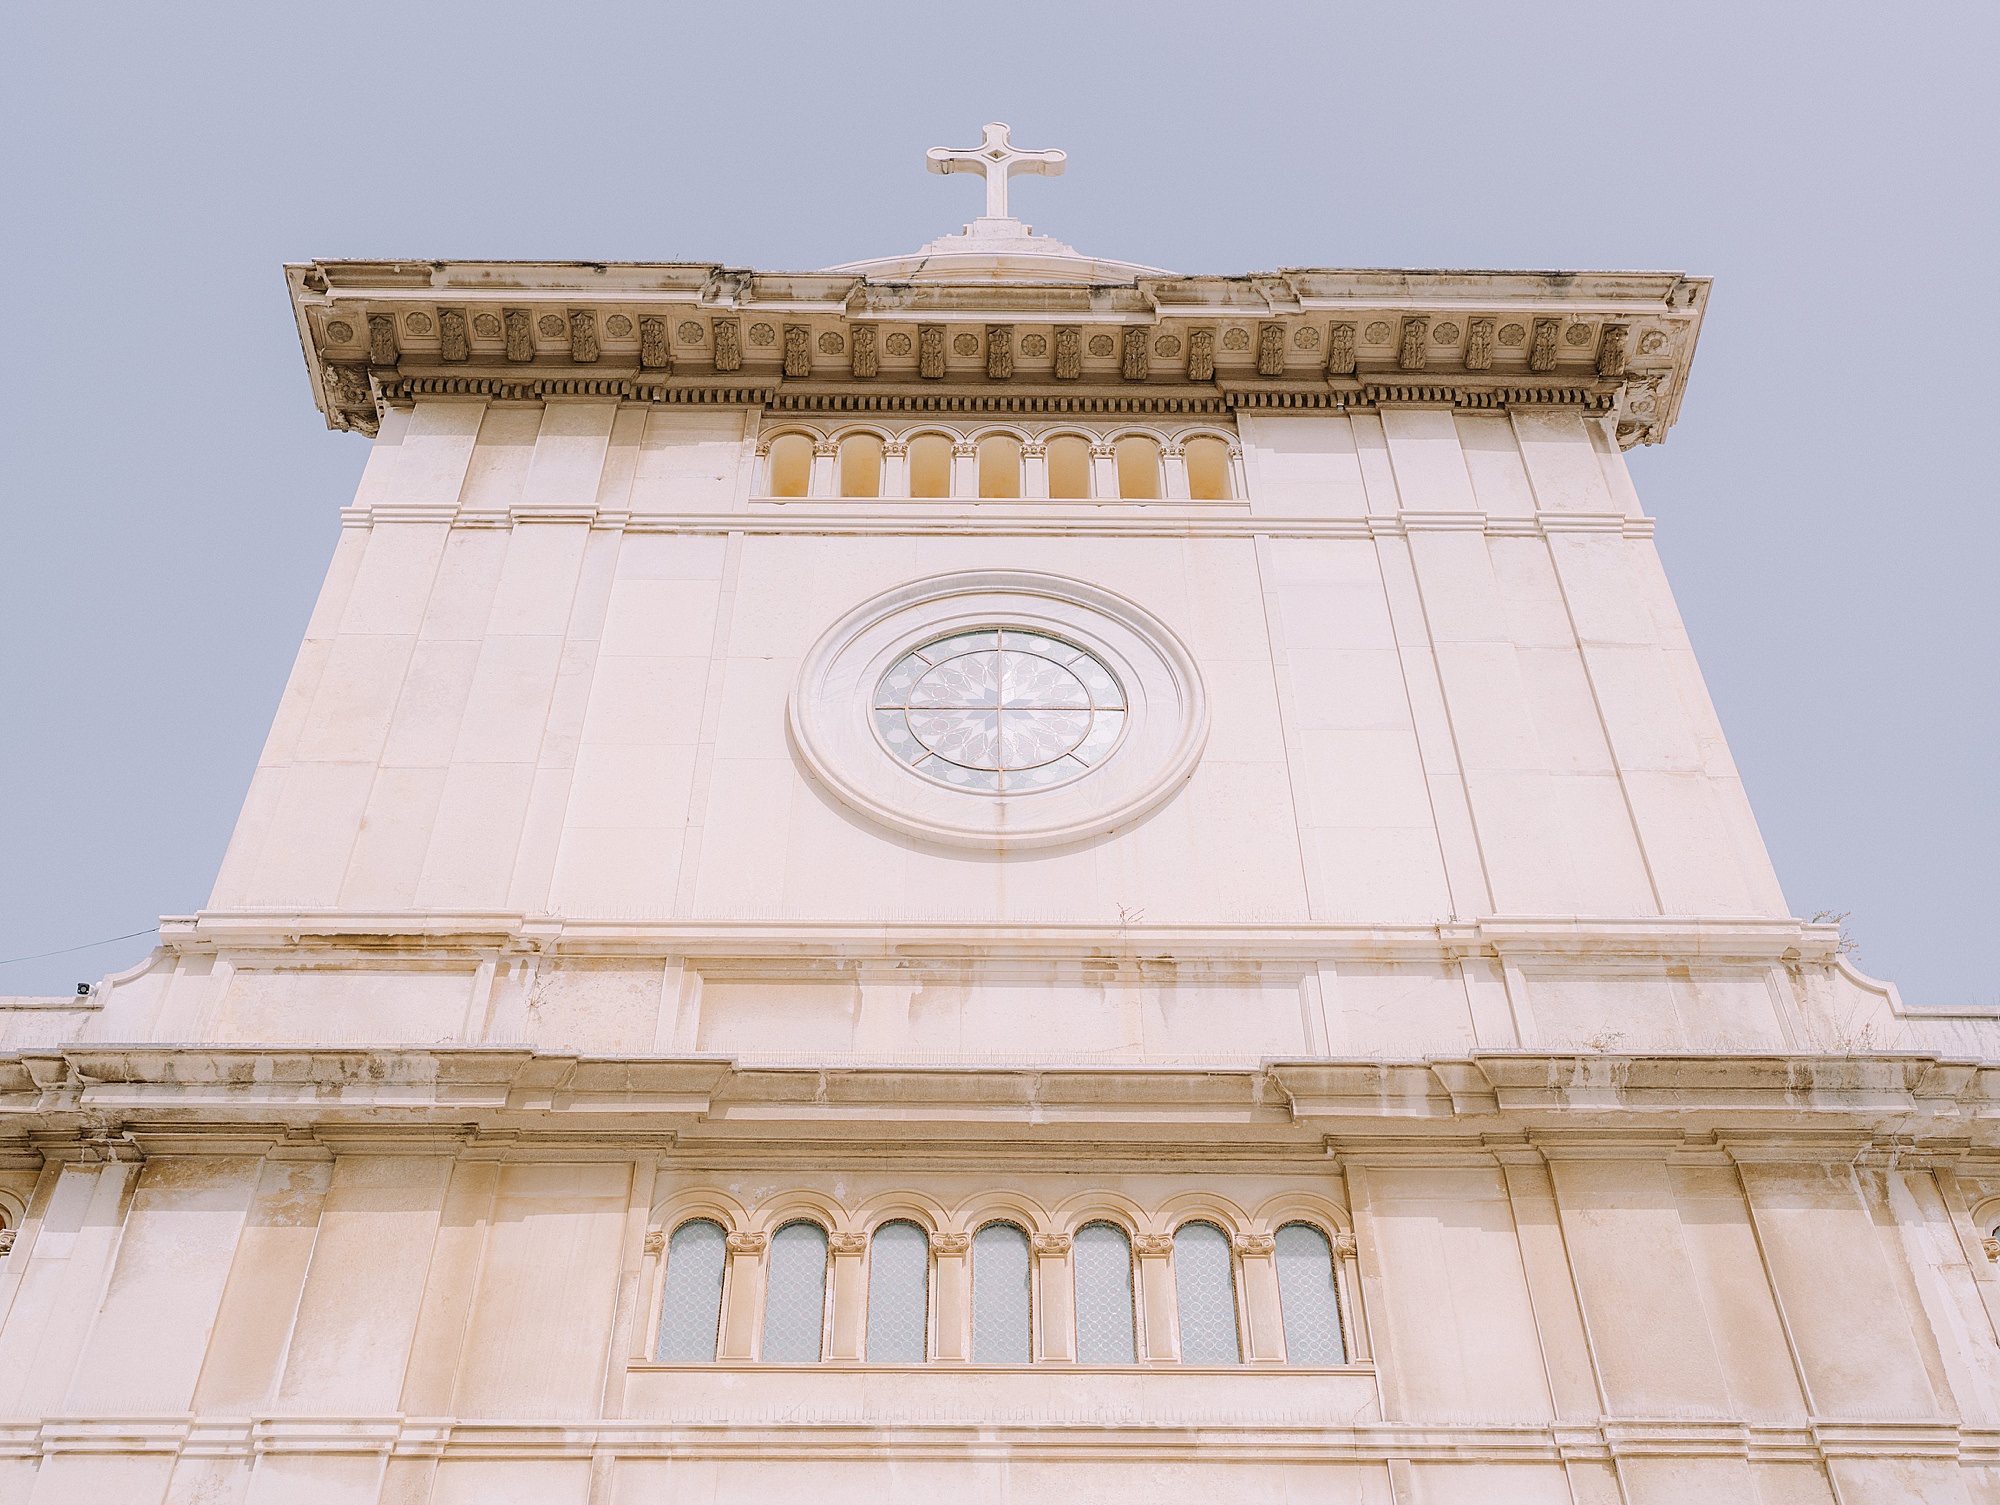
87, 946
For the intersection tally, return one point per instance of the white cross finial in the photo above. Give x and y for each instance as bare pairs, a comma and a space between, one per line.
999, 159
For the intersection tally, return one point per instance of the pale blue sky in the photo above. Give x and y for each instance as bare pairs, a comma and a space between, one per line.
1826, 506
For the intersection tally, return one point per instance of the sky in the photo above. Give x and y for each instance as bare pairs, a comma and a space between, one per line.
1826, 504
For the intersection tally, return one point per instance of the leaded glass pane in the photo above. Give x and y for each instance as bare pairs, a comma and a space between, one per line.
1104, 1325
1206, 1287
1000, 709
795, 1295
899, 1268
1000, 1295
691, 1298
1306, 1292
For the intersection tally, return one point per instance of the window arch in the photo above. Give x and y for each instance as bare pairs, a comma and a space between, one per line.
1105, 1329
1138, 460
795, 1295
1208, 469
1000, 1323
788, 468
861, 465
1069, 467
691, 1293
930, 465
1205, 1290
999, 466
899, 1279
1308, 1296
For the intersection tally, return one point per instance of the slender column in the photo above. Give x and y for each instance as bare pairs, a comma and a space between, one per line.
1035, 471
1263, 1321
954, 1297
850, 1294
1173, 464
964, 469
1055, 1285
1103, 471
1347, 1275
1156, 1295
746, 1286
896, 468
825, 479
1239, 481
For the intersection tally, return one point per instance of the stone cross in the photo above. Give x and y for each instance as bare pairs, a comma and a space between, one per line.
999, 159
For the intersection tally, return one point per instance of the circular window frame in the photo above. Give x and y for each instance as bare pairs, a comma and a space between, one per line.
833, 730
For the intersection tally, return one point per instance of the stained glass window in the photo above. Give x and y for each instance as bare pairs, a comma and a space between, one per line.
1000, 710
899, 1268
691, 1299
1104, 1326
1205, 1285
795, 1294
1306, 1292
1000, 1328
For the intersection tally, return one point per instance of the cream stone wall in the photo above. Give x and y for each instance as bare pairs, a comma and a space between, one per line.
543, 932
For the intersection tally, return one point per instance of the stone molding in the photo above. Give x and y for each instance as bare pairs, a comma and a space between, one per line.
370, 327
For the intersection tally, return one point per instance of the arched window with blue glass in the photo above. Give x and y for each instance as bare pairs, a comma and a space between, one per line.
899, 1288
691, 1293
1309, 1296
795, 1295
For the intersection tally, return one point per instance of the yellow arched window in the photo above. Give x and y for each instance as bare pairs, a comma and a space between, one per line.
790, 465
1069, 467
1138, 469
999, 466
1208, 469
861, 465
930, 465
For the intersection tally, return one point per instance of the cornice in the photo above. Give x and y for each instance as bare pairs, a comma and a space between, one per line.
379, 333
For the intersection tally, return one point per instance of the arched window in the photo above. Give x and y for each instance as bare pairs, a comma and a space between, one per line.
999, 466
691, 1299
1000, 1332
1104, 1327
795, 1295
1205, 1285
1069, 467
1208, 470
930, 466
1138, 469
1307, 1293
861, 465
790, 465
899, 1280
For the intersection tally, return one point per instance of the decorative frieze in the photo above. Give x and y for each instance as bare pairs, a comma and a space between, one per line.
1201, 355
930, 351
999, 351
452, 343
1478, 344
861, 353
728, 345
653, 349
1542, 352
1340, 350
798, 350
1069, 352
1410, 349
1271, 350
583, 335
1136, 355
381, 340
520, 334
1611, 350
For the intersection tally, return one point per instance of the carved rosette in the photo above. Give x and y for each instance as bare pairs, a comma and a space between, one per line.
1542, 345
798, 350
848, 1244
1270, 350
1201, 355
1611, 350
381, 340
654, 352
862, 357
520, 335
1340, 350
747, 1243
1478, 344
1069, 352
1051, 1245
930, 351
1410, 349
583, 335
728, 334
999, 351
1137, 360
452, 345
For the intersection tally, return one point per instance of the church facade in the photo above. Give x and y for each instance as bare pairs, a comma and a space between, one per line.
1003, 874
